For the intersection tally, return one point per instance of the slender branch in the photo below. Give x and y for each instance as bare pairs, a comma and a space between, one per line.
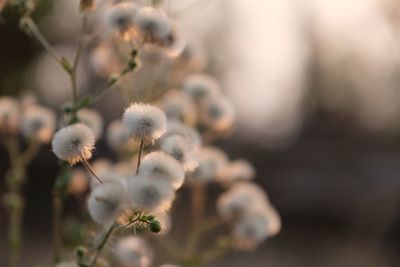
139, 156
102, 244
90, 169
39, 36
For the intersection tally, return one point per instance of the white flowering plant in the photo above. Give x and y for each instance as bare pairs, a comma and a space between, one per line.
161, 144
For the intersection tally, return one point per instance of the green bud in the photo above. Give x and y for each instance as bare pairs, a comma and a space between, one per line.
80, 252
155, 226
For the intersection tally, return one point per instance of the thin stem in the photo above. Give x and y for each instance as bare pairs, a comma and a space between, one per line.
76, 60
102, 244
57, 225
39, 36
139, 156
90, 169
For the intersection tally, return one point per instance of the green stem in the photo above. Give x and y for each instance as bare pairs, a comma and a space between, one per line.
139, 156
102, 245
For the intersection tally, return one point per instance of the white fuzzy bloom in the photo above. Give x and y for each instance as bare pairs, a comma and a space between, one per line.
212, 160
184, 151
150, 195
9, 115
144, 122
92, 119
38, 123
237, 170
178, 106
121, 16
117, 136
240, 199
73, 143
104, 60
133, 251
155, 26
217, 113
200, 86
254, 228
178, 128
106, 202
158, 165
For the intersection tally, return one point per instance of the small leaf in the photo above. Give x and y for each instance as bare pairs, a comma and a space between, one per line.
66, 65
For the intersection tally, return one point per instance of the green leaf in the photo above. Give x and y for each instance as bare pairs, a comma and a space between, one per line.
66, 65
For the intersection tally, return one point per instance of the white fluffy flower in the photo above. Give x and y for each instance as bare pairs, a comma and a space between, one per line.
240, 199
38, 123
105, 202
180, 148
9, 115
144, 122
133, 251
150, 195
254, 228
155, 26
117, 136
178, 106
211, 163
158, 165
237, 170
178, 128
92, 119
217, 113
200, 86
121, 16
73, 143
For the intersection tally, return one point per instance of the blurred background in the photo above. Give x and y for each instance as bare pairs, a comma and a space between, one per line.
316, 87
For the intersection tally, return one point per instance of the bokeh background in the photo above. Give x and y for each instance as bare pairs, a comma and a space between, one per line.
316, 86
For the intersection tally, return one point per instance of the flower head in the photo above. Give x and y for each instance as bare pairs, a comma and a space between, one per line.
92, 119
105, 202
117, 136
211, 163
9, 115
158, 165
121, 16
184, 151
237, 170
38, 123
217, 113
74, 143
133, 251
178, 106
200, 86
150, 195
178, 128
144, 122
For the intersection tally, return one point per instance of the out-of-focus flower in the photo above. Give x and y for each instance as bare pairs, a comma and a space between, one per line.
178, 106
240, 199
133, 251
92, 119
180, 148
158, 165
104, 60
38, 123
150, 195
74, 143
200, 86
118, 136
217, 113
103, 168
144, 122
78, 182
211, 163
105, 202
237, 170
178, 128
9, 115
155, 26
121, 18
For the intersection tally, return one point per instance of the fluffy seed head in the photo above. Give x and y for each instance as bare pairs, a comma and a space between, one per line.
178, 106
200, 86
158, 165
9, 115
217, 113
105, 202
178, 128
121, 17
144, 122
211, 163
240, 199
92, 119
184, 151
237, 170
38, 123
150, 195
133, 251
73, 143
155, 26
117, 136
